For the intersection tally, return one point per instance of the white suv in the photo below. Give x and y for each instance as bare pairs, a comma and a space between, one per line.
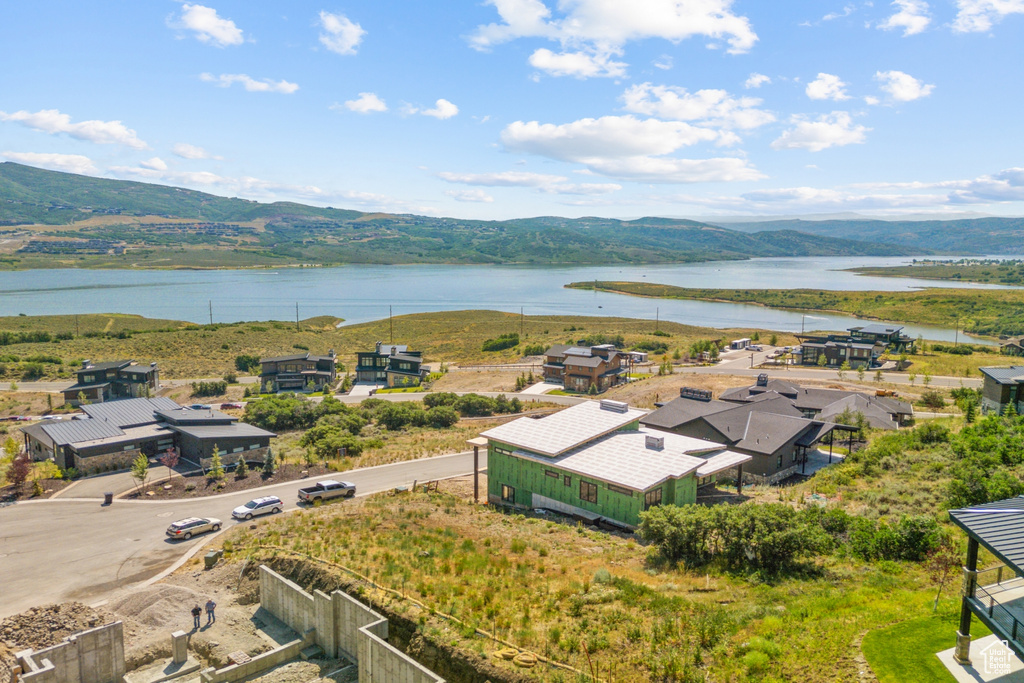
259, 506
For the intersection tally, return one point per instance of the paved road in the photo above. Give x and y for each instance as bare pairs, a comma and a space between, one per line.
74, 549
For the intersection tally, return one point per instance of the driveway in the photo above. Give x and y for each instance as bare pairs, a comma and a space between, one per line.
364, 389
75, 549
538, 389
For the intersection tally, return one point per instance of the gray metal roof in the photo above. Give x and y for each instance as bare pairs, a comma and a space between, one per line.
227, 431
876, 328
281, 359
998, 526
76, 431
1013, 374
181, 415
129, 412
682, 410
557, 350
138, 369
108, 365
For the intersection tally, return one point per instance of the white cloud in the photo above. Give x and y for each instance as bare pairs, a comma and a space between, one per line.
627, 147
586, 189
912, 17
1005, 186
869, 99
470, 196
601, 29
503, 179
69, 163
663, 62
251, 84
847, 11
244, 186
577, 64
829, 130
187, 151
902, 87
443, 109
827, 87
208, 27
100, 132
979, 15
366, 103
756, 80
340, 34
154, 164
713, 107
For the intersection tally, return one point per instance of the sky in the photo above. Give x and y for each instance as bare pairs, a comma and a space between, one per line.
502, 109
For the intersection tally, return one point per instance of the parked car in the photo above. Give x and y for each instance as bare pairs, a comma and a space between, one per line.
200, 406
229, 406
189, 527
258, 506
327, 489
754, 347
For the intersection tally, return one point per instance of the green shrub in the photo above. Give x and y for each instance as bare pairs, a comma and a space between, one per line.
504, 341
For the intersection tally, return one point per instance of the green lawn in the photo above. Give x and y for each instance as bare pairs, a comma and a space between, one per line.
905, 652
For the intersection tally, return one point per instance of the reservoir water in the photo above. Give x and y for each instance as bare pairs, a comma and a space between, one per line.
360, 293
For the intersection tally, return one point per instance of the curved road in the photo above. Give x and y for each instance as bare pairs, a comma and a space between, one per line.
77, 549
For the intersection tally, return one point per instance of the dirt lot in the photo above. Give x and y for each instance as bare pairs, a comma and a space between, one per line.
478, 380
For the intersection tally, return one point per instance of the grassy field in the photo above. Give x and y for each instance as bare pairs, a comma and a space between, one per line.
189, 350
588, 598
980, 311
905, 652
995, 272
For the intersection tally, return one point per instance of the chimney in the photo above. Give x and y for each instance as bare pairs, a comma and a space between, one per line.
152, 365
762, 379
378, 347
655, 443
86, 363
614, 406
331, 353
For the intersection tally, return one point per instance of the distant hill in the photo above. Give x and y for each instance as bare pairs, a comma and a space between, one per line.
975, 236
289, 233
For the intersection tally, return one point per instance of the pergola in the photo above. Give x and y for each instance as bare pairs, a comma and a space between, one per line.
995, 595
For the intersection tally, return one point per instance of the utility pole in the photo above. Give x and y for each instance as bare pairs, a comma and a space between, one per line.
802, 318
520, 321
391, 322
76, 325
211, 311
296, 316
657, 319
956, 332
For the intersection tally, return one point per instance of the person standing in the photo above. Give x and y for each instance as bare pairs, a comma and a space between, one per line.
210, 607
196, 613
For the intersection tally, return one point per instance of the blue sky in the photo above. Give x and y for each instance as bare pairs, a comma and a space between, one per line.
515, 108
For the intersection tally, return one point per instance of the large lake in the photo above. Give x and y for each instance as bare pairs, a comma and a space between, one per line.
361, 293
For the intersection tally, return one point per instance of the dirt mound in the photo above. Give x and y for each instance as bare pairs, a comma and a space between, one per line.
48, 625
7, 664
161, 605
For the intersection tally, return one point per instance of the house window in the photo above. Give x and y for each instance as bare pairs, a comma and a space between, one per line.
567, 480
254, 446
88, 379
238, 449
502, 449
129, 447
621, 489
551, 473
652, 498
508, 494
779, 462
588, 492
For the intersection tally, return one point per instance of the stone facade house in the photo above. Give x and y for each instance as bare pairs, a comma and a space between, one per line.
580, 368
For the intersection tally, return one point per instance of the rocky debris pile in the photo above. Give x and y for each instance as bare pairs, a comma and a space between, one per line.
48, 625
7, 664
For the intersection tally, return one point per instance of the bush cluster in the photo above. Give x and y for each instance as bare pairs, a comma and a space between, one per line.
214, 388
504, 341
474, 405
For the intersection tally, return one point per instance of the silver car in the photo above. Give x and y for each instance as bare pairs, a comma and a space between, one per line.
258, 506
187, 528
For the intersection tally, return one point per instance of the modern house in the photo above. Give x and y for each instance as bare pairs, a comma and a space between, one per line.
1003, 387
881, 412
595, 461
860, 346
994, 595
298, 372
1012, 347
391, 364
115, 433
879, 333
772, 431
579, 368
99, 382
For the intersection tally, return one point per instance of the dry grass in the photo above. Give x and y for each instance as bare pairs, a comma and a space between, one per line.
478, 380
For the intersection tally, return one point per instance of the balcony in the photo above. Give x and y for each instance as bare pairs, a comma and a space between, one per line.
996, 596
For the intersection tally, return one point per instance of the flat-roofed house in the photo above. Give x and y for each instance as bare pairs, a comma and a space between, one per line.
391, 364
110, 380
1002, 388
594, 460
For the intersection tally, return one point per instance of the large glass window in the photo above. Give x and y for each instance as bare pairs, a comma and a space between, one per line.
652, 498
588, 492
621, 489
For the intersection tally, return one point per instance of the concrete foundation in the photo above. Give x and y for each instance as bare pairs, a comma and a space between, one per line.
92, 656
179, 647
343, 627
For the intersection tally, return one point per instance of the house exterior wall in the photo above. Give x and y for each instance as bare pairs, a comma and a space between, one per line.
201, 450
995, 397
528, 477
103, 462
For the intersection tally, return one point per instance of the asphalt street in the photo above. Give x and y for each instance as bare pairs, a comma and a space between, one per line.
77, 549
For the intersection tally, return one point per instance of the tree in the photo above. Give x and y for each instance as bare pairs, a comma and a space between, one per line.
970, 413
878, 376
269, 463
82, 400
49, 401
942, 565
242, 470
216, 466
822, 361
912, 377
756, 337
773, 340
11, 447
170, 460
140, 470
860, 373
927, 379
17, 471
843, 369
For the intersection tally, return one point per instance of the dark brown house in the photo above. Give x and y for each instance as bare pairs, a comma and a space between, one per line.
111, 380
580, 368
300, 372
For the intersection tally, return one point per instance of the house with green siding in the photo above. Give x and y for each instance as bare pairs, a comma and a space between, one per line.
594, 460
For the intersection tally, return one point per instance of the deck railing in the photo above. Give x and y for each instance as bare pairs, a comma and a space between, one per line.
988, 595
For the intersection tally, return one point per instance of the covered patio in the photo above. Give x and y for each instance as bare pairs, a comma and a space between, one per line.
994, 595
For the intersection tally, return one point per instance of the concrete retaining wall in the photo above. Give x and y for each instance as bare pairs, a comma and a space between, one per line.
259, 663
343, 627
92, 656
